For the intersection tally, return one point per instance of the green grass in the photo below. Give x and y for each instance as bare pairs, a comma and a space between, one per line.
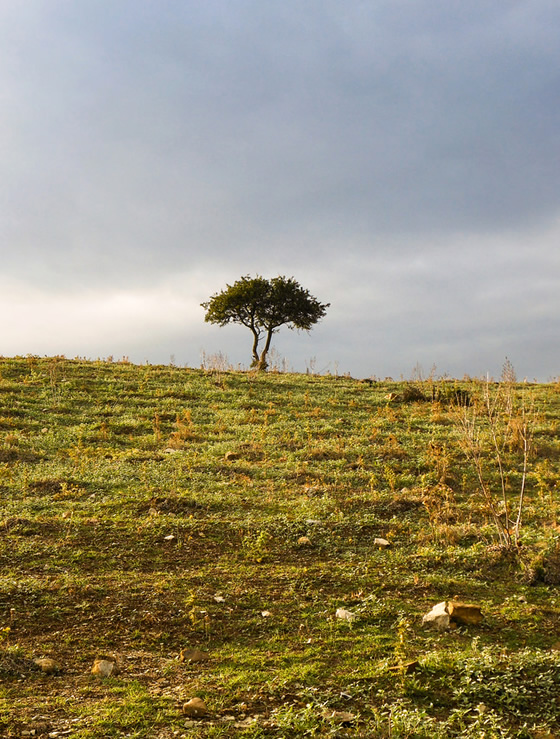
101, 463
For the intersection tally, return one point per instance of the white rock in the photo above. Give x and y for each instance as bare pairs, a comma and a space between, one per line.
345, 615
380, 542
103, 668
438, 616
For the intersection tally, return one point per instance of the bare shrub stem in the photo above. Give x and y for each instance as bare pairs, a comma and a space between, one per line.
486, 430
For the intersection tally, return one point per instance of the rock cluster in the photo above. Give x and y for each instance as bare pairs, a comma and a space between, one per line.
450, 614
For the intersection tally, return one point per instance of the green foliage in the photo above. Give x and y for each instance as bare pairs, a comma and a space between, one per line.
263, 306
452, 393
523, 686
255, 546
545, 565
413, 393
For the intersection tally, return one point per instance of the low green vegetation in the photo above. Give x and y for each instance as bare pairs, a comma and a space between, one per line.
149, 510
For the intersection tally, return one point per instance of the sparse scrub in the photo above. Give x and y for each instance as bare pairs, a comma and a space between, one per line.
413, 393
496, 435
451, 393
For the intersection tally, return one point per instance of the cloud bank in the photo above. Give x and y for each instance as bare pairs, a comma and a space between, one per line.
399, 159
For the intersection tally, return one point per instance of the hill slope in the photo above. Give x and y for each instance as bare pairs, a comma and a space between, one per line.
148, 511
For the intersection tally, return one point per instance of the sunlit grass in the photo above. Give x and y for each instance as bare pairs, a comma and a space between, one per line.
150, 509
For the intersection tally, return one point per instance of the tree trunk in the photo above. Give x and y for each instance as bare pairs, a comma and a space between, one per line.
256, 337
262, 364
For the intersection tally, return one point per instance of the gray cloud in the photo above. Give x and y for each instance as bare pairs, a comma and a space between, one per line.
400, 159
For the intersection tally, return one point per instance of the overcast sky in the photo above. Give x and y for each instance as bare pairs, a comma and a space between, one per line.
399, 158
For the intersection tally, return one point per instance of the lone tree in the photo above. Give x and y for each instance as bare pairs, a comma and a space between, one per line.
263, 306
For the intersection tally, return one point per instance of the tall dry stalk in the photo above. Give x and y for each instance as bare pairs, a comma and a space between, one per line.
496, 435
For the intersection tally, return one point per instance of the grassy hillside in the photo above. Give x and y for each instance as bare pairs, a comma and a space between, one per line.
148, 510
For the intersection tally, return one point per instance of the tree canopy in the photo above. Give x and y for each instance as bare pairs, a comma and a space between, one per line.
263, 306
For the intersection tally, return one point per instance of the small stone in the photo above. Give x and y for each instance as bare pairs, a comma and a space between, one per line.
438, 616
40, 728
103, 668
46, 665
245, 722
195, 708
345, 615
266, 614
339, 717
464, 613
170, 537
193, 655
381, 543
313, 491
